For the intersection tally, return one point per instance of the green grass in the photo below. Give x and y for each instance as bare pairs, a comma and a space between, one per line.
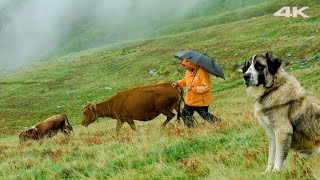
236, 148
90, 34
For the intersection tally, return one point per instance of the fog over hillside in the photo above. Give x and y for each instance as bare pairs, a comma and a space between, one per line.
31, 29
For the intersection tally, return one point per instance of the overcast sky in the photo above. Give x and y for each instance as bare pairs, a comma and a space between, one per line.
30, 29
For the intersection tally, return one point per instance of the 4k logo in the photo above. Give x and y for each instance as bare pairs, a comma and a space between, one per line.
285, 12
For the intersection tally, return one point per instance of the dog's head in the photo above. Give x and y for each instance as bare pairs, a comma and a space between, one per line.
260, 69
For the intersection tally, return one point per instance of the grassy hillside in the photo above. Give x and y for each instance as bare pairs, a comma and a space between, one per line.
88, 34
235, 148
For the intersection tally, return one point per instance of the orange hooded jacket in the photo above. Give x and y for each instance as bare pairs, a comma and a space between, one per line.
200, 94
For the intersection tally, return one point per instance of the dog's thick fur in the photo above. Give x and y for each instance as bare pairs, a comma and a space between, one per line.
290, 117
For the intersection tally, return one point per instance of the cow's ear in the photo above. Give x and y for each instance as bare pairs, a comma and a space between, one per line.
89, 105
94, 109
273, 62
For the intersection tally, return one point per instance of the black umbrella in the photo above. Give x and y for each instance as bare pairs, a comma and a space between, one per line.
202, 60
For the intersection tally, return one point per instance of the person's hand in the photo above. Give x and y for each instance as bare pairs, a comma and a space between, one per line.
174, 84
189, 88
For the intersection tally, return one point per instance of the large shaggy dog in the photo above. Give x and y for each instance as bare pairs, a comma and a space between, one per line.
290, 117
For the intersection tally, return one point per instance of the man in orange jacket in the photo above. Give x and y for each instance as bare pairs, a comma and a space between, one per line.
198, 96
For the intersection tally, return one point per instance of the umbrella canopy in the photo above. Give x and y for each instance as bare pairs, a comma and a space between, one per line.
202, 60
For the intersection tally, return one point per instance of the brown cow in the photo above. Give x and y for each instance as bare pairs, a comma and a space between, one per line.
48, 128
140, 103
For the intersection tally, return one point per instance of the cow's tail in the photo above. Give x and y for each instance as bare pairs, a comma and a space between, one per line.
181, 92
69, 127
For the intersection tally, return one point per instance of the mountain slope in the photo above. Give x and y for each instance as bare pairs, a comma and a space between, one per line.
127, 64
235, 148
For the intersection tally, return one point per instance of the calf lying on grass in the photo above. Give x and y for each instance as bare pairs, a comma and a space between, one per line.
47, 128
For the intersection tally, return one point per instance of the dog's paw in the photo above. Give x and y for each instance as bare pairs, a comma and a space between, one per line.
276, 169
267, 170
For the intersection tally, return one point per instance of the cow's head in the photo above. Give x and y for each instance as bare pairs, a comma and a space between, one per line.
260, 69
28, 134
89, 114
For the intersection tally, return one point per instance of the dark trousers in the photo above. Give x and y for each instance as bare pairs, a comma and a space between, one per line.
188, 111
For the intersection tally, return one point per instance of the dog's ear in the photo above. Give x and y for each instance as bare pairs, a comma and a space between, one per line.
273, 62
245, 65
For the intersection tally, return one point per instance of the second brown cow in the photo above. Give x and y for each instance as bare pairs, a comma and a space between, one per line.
140, 103
47, 128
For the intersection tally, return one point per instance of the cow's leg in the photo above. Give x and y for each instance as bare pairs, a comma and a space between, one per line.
178, 109
52, 133
169, 115
119, 125
68, 128
131, 124
64, 130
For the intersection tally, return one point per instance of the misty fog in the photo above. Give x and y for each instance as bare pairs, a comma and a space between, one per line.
31, 29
